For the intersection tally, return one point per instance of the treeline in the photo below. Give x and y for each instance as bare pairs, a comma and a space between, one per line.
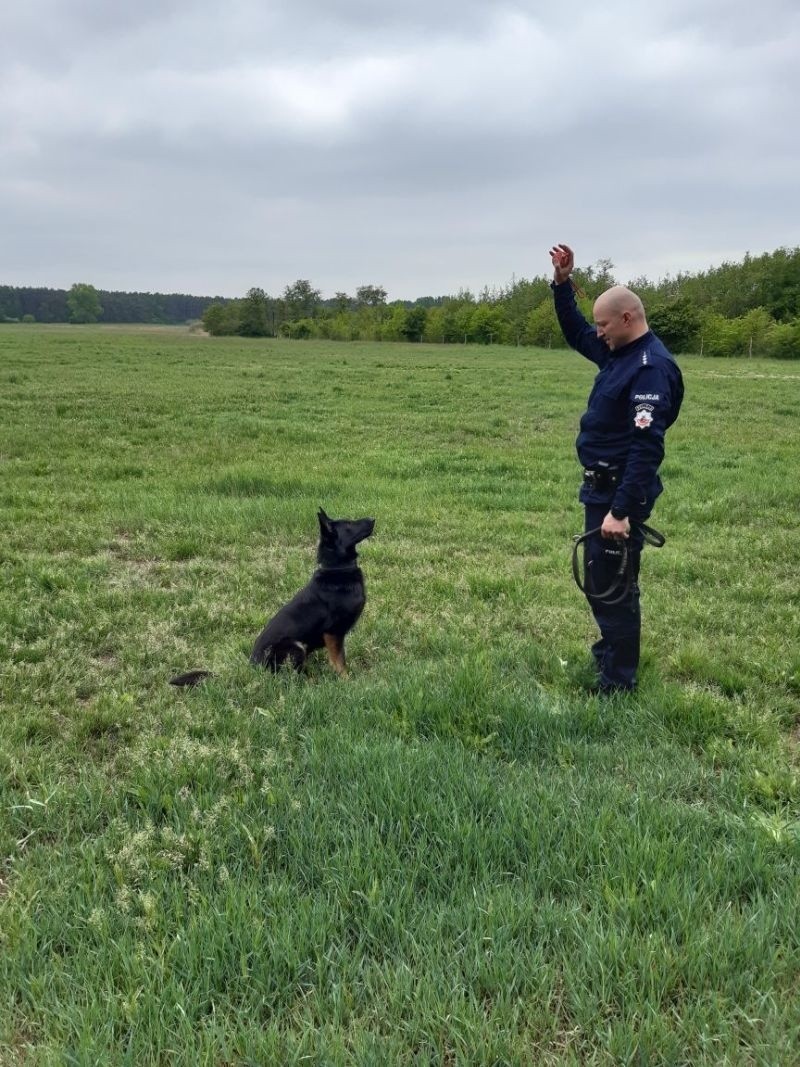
750, 308
24, 304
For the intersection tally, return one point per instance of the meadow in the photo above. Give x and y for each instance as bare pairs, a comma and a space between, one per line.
457, 855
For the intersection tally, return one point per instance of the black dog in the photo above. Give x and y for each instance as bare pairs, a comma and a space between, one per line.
322, 612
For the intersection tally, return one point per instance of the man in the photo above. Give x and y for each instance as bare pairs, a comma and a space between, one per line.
636, 396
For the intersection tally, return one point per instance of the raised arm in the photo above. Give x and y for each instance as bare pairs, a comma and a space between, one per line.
578, 333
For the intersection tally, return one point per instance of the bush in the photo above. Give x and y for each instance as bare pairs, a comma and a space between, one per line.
541, 327
299, 330
221, 320
783, 340
676, 323
747, 335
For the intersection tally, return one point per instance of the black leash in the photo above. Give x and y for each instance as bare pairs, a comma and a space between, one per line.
623, 575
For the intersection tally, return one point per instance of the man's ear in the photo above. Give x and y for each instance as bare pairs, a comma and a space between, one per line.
325, 524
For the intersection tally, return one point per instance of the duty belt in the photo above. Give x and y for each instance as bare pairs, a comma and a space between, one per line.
602, 478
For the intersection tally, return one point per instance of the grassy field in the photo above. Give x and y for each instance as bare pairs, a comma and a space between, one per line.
456, 856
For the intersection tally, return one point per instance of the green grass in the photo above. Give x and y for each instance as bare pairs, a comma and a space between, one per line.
456, 856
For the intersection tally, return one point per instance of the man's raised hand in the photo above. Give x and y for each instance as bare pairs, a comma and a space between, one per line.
563, 259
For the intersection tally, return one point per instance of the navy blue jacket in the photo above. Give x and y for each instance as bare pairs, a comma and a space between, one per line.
636, 396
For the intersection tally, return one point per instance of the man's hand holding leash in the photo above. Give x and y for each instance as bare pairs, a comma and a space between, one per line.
616, 529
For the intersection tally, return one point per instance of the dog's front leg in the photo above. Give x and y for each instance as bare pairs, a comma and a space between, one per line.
335, 648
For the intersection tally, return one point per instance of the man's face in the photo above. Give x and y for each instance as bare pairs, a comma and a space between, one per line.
613, 327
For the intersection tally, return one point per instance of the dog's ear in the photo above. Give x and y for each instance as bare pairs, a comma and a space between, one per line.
325, 524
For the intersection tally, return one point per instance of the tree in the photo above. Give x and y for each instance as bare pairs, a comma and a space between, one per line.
340, 327
440, 324
371, 295
222, 320
10, 304
393, 329
487, 325
752, 331
415, 324
715, 335
676, 323
462, 320
541, 327
301, 300
253, 314
83, 303
520, 300
783, 340
746, 335
604, 274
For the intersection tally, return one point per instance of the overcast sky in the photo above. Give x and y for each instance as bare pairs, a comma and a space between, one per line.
169, 145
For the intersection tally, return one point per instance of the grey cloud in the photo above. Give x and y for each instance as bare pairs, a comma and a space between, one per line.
423, 146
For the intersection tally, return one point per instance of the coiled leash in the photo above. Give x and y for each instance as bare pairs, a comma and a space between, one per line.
622, 579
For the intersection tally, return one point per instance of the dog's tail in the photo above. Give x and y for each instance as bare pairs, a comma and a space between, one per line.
273, 658
190, 678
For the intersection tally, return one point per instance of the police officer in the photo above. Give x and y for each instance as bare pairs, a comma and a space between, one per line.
636, 396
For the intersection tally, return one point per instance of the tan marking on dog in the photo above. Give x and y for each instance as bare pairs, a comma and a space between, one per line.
335, 649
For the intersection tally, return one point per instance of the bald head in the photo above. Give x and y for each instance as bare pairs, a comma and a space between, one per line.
619, 317
618, 299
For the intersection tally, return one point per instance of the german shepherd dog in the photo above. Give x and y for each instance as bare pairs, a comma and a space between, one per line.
322, 613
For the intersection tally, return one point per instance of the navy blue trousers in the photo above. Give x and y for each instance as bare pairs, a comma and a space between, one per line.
617, 651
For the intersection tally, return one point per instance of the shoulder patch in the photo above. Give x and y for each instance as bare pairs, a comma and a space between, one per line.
645, 357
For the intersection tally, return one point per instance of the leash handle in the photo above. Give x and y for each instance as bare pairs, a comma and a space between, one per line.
652, 536
622, 578
619, 577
